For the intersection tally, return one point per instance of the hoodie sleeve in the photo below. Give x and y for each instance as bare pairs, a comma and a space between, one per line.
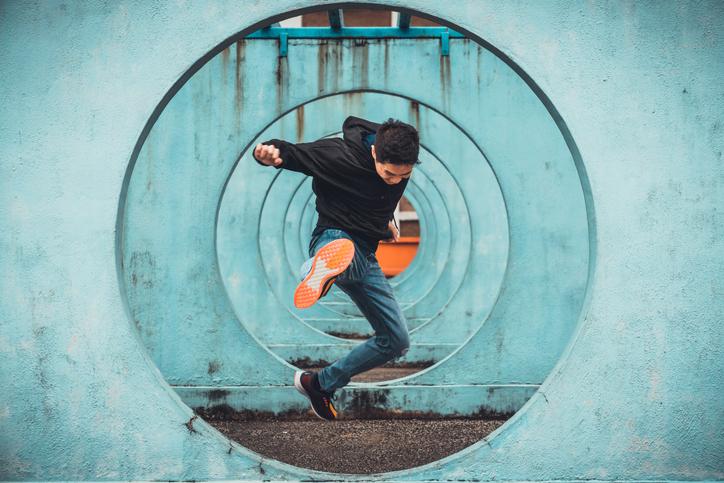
318, 159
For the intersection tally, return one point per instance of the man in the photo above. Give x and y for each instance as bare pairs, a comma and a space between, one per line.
358, 180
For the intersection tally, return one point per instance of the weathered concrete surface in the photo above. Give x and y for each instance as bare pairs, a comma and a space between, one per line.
637, 395
503, 173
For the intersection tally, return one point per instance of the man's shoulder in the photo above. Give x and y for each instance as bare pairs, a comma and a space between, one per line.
333, 149
324, 144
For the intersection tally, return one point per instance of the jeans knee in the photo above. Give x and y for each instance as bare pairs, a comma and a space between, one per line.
400, 344
393, 345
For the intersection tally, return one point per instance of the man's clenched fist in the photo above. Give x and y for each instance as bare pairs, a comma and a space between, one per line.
267, 154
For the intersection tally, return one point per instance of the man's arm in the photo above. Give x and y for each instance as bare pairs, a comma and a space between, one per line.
319, 158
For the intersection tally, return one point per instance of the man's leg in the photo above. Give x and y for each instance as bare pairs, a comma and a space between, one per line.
374, 297
307, 382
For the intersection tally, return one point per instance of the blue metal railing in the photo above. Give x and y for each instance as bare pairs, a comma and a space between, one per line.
355, 32
337, 30
283, 34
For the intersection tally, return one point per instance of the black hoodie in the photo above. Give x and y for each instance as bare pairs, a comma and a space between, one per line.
350, 194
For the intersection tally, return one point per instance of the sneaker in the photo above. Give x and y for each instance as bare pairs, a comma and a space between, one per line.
331, 260
306, 383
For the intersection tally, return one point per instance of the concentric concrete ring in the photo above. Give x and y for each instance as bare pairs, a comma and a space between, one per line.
427, 294
522, 283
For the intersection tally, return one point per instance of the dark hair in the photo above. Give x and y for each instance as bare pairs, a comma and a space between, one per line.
397, 143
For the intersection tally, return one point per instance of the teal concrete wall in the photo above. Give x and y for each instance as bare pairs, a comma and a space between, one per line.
635, 90
507, 204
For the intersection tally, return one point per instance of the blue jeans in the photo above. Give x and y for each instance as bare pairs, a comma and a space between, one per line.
368, 288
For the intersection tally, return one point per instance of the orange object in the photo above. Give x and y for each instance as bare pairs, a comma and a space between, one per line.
394, 257
331, 260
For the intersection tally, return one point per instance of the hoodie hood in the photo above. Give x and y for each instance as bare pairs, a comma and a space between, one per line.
354, 131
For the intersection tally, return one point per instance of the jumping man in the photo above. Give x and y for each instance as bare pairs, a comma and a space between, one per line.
358, 181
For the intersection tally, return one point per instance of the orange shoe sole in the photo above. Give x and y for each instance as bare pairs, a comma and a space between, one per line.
331, 260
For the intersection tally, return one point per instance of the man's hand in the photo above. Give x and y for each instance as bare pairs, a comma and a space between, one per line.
395, 232
267, 154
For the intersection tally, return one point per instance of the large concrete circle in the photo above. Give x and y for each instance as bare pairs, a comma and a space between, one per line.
196, 208
511, 288
636, 86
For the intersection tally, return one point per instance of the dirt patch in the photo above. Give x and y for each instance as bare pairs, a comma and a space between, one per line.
352, 446
349, 335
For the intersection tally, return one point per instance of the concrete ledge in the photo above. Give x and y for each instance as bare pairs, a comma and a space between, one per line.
331, 352
354, 325
367, 400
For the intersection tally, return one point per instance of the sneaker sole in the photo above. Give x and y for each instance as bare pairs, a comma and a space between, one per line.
331, 260
300, 388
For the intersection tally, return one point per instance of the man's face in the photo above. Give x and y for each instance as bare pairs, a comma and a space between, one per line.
391, 173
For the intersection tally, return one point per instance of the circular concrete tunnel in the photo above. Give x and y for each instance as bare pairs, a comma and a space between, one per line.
212, 242
424, 296
635, 395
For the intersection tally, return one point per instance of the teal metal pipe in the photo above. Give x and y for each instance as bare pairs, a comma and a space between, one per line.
355, 33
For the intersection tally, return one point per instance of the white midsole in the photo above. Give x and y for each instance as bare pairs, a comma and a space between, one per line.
320, 272
298, 384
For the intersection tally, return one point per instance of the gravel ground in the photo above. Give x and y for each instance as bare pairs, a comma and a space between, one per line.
355, 446
362, 446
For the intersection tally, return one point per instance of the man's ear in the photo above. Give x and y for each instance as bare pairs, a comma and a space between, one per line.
374, 154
